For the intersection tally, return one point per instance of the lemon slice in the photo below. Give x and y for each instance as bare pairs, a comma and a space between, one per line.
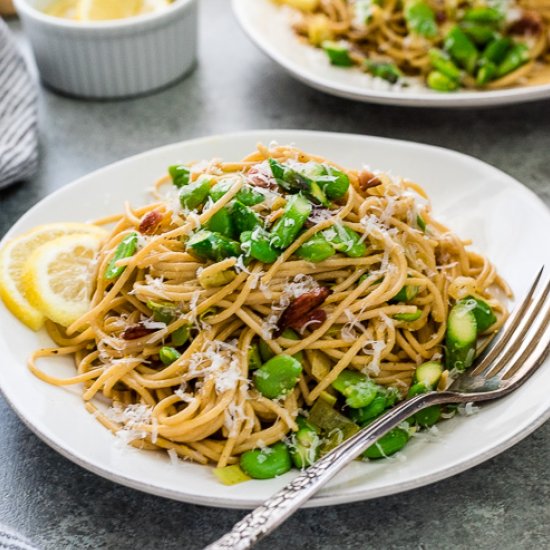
58, 277
101, 10
13, 256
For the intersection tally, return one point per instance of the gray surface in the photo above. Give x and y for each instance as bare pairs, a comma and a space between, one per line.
503, 503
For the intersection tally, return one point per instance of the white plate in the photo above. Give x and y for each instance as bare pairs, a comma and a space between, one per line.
506, 221
268, 27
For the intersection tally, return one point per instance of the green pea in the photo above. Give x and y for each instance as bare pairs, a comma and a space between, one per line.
315, 249
278, 376
388, 444
179, 174
168, 355
126, 248
194, 194
266, 463
356, 387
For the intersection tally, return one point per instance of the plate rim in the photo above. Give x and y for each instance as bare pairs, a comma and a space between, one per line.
318, 500
493, 98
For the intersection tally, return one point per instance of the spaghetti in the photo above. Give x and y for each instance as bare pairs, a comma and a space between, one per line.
448, 44
174, 330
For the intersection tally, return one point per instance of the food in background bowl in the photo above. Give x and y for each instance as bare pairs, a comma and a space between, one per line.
102, 10
487, 44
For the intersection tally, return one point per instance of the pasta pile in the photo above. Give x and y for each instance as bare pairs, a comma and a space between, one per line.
203, 404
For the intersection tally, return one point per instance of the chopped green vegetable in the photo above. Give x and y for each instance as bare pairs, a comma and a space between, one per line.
420, 18
444, 64
337, 53
278, 376
480, 34
335, 426
179, 174
315, 249
126, 248
168, 355
496, 50
406, 294
266, 352
221, 222
246, 194
254, 358
356, 387
384, 70
305, 444
482, 312
286, 229
181, 335
428, 373
421, 222
194, 194
429, 415
266, 463
515, 57
364, 415
461, 48
460, 339
244, 218
345, 240
163, 312
483, 15
257, 244
408, 317
442, 83
212, 246
231, 475
486, 72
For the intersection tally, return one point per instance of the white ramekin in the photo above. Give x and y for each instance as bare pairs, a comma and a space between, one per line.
109, 59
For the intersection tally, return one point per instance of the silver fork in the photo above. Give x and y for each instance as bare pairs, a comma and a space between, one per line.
511, 358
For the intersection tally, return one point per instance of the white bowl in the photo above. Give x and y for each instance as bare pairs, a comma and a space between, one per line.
108, 59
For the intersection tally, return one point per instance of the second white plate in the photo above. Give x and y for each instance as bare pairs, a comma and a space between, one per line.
268, 27
505, 220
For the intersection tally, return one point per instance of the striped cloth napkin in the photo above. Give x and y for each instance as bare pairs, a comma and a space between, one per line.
18, 114
10, 540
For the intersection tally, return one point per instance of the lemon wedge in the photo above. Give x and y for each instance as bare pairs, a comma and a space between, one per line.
102, 10
15, 253
58, 277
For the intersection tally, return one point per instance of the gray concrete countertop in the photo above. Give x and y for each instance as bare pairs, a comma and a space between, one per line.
503, 503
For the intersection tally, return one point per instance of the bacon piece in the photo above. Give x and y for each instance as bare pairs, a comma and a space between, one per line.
296, 314
530, 23
367, 180
312, 319
135, 331
150, 222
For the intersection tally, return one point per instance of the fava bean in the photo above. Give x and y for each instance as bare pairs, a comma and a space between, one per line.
278, 376
266, 463
358, 390
194, 194
388, 444
168, 355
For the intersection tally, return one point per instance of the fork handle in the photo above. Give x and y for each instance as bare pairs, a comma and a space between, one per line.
275, 510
